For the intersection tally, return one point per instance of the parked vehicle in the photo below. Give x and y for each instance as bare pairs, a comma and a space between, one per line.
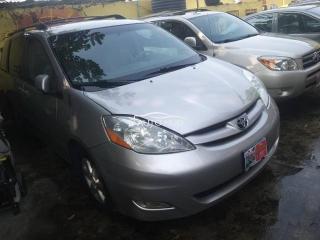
303, 21
304, 2
154, 128
284, 65
12, 188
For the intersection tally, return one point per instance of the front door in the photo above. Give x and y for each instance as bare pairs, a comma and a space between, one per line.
41, 108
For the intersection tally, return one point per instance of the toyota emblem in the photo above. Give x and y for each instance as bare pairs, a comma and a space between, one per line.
243, 122
316, 57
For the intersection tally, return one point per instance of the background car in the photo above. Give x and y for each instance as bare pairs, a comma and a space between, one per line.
300, 21
286, 66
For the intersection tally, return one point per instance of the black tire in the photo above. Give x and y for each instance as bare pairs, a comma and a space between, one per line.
22, 184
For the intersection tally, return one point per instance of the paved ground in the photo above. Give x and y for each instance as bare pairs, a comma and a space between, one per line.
282, 203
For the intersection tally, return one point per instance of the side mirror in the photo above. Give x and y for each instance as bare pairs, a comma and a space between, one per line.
42, 83
191, 41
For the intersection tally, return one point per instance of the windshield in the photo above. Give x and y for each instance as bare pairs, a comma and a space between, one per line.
222, 27
315, 10
118, 55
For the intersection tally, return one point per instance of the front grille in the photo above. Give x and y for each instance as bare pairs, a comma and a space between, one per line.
227, 130
311, 59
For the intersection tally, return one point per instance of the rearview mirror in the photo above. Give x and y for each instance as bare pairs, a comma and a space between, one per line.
42, 83
191, 41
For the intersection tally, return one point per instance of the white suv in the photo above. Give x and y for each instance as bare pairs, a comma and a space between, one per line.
287, 66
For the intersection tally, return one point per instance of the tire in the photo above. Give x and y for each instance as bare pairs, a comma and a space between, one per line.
22, 184
91, 179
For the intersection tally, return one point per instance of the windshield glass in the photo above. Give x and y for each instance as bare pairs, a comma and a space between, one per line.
222, 27
119, 54
315, 10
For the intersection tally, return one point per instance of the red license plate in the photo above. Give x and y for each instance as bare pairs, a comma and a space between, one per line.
255, 154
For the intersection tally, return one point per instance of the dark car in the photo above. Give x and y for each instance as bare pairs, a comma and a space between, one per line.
302, 21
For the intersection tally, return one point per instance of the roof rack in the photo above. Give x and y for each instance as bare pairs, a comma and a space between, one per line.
172, 13
45, 25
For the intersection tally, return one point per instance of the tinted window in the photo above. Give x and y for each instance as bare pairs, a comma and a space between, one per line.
16, 55
119, 55
38, 61
182, 31
224, 27
289, 23
310, 24
262, 22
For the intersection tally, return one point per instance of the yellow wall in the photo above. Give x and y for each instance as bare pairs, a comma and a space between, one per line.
242, 8
239, 9
13, 19
127, 9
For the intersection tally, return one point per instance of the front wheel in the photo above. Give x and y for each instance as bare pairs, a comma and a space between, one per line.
94, 181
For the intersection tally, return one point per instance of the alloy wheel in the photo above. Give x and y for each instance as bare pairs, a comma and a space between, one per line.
93, 181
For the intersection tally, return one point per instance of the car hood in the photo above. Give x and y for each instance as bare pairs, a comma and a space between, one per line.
276, 45
185, 100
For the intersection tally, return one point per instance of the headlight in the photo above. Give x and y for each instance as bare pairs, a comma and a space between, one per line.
258, 85
279, 63
143, 136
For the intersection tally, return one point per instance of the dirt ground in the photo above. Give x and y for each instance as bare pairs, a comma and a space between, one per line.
283, 202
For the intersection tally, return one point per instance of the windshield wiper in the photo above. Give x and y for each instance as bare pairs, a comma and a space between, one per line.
103, 84
168, 69
239, 38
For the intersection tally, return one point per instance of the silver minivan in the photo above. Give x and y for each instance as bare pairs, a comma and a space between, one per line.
154, 129
287, 66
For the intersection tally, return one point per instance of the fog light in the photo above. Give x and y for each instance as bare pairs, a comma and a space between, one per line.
152, 206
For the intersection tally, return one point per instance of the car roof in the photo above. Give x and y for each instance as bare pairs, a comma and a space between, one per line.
179, 15
60, 27
288, 9
87, 25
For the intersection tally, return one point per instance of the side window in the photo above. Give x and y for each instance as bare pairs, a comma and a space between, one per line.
16, 56
310, 24
181, 31
38, 61
262, 22
289, 23
4, 56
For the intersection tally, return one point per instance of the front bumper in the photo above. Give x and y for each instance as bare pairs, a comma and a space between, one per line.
190, 181
288, 84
